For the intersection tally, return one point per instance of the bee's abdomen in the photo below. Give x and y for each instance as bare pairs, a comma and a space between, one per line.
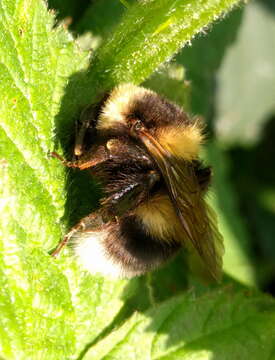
159, 218
136, 249
121, 249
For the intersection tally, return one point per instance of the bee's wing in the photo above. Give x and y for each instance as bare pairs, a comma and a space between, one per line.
196, 216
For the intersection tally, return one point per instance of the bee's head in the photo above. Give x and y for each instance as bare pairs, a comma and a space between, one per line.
129, 107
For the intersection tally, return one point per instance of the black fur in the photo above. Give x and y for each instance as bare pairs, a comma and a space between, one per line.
155, 111
125, 176
136, 250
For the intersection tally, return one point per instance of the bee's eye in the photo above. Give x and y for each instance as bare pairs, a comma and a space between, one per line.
137, 125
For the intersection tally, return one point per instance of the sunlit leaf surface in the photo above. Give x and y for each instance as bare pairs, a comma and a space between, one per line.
51, 309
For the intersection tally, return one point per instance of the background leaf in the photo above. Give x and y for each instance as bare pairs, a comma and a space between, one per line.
222, 325
245, 102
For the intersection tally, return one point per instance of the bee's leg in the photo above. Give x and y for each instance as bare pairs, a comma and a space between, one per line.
86, 125
90, 222
131, 194
65, 240
98, 157
72, 164
87, 121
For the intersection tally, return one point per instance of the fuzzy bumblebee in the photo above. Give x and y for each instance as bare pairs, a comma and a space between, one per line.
145, 151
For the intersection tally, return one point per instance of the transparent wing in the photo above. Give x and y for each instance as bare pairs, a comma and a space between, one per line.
197, 217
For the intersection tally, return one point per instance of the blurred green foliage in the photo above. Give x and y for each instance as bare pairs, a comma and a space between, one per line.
226, 75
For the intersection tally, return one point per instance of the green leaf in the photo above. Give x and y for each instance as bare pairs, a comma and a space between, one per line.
220, 325
149, 34
245, 101
101, 17
44, 314
34, 67
35, 300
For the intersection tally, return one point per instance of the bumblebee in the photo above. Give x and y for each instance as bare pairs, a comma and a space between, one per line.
145, 151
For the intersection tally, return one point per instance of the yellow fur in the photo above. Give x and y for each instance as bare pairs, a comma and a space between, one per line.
182, 141
120, 103
159, 216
